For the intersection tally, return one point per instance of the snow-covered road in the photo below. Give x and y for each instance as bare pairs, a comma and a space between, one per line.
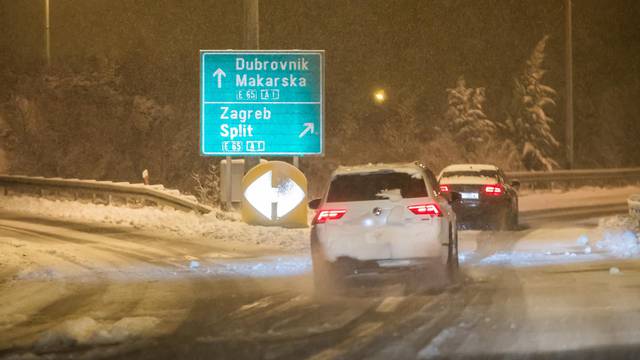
87, 287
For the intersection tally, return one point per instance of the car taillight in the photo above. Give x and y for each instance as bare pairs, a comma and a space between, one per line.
426, 209
444, 188
324, 215
493, 190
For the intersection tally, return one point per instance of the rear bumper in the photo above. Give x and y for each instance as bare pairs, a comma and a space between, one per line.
400, 251
349, 266
479, 214
403, 243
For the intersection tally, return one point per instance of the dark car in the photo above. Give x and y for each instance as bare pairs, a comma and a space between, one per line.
488, 199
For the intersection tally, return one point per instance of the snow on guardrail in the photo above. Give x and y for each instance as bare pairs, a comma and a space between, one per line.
634, 205
100, 192
575, 175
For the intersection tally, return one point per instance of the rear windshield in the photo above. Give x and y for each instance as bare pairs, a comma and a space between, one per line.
481, 173
376, 186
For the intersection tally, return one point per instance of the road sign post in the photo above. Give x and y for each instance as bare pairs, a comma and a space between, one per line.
261, 103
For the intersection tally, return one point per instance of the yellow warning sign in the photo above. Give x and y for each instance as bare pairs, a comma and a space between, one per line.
275, 193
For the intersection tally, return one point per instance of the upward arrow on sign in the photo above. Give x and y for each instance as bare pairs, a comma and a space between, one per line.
219, 74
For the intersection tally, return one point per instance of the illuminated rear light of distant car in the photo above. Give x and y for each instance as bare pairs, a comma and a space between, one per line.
426, 209
493, 190
324, 215
444, 188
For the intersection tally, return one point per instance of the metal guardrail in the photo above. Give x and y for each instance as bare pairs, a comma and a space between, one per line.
100, 192
634, 205
122, 193
575, 175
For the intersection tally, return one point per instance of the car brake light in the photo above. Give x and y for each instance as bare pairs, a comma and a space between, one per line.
322, 216
426, 209
444, 188
493, 190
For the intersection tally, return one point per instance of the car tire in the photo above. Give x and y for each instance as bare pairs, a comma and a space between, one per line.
502, 220
513, 220
453, 263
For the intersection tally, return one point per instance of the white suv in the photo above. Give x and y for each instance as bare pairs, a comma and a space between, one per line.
382, 217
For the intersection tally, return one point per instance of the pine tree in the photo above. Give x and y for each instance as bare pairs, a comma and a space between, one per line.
465, 116
528, 124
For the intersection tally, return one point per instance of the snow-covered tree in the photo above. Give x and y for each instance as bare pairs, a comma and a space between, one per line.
528, 124
207, 186
465, 116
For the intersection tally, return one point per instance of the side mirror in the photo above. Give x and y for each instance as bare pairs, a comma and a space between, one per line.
454, 196
515, 184
314, 204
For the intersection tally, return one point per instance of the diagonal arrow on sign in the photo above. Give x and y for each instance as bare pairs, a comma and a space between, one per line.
308, 127
263, 197
219, 74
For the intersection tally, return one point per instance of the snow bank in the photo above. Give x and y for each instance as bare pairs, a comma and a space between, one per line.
617, 237
216, 226
620, 236
87, 331
588, 195
263, 267
433, 348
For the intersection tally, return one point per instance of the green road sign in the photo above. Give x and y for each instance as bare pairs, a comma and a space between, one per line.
261, 103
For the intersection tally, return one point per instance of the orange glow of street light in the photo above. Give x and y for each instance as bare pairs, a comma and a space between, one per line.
379, 96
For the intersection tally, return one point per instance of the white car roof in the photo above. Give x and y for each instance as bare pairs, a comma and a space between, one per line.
469, 167
409, 168
467, 179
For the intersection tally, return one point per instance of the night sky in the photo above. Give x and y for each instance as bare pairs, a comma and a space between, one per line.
403, 46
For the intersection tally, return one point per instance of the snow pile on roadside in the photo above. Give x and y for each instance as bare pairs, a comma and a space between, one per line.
620, 236
620, 222
263, 267
433, 348
217, 225
588, 195
87, 331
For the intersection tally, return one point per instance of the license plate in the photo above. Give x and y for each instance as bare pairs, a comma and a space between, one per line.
469, 195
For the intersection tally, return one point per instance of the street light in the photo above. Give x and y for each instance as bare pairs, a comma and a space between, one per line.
379, 96
47, 34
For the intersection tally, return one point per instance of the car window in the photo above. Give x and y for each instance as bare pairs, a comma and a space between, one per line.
432, 180
503, 177
376, 186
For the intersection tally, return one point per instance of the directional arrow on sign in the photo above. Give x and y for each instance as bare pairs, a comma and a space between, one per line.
219, 74
308, 127
262, 196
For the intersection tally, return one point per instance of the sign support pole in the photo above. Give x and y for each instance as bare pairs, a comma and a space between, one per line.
229, 184
568, 58
47, 33
251, 42
296, 162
